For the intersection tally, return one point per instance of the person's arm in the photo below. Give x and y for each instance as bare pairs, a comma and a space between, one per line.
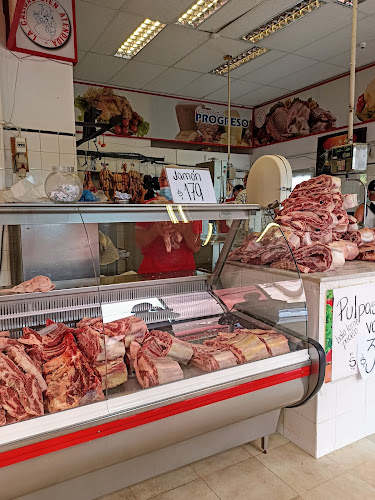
191, 238
359, 213
144, 236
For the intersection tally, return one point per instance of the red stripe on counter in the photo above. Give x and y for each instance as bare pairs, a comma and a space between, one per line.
68, 440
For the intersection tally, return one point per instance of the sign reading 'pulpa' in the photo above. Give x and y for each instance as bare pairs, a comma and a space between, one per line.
353, 331
191, 185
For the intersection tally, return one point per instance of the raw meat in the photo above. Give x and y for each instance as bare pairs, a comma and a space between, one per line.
209, 359
275, 342
37, 284
12, 409
152, 370
70, 380
308, 221
88, 341
25, 385
349, 201
318, 258
17, 354
113, 373
245, 346
130, 328
163, 344
348, 248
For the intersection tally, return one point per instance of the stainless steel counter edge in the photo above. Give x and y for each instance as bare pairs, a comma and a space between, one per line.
50, 213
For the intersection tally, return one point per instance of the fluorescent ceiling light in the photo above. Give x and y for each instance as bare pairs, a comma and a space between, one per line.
283, 19
139, 38
243, 58
347, 3
200, 11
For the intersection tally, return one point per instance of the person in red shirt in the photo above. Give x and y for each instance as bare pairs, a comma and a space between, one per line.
167, 247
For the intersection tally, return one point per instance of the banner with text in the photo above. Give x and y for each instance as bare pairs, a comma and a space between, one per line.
315, 111
165, 118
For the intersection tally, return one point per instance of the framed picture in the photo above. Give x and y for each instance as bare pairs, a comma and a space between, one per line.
329, 141
45, 28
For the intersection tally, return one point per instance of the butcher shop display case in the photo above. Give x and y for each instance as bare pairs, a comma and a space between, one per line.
183, 353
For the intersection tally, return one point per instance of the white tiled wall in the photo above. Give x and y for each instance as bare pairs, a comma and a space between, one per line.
343, 411
5, 267
44, 151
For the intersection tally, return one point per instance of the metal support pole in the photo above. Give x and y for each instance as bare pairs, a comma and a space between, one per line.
352, 71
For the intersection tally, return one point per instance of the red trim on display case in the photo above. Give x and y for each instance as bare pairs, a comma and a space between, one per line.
74, 438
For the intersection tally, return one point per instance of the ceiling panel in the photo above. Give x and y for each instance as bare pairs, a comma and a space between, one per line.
364, 56
81, 54
158, 10
91, 21
314, 74
262, 94
171, 45
279, 69
328, 46
258, 15
314, 26
203, 86
210, 55
227, 14
368, 7
116, 33
257, 63
171, 81
98, 68
113, 4
136, 74
237, 89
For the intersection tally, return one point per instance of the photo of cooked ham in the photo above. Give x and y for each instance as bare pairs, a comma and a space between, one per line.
292, 118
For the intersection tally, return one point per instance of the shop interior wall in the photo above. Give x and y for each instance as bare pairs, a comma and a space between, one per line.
35, 93
301, 154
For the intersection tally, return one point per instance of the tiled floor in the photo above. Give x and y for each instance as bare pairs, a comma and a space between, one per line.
284, 473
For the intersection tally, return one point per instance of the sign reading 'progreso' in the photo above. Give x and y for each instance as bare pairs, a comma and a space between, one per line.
353, 332
214, 117
191, 185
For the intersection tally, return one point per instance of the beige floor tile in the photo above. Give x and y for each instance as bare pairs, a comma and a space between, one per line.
124, 494
191, 491
297, 468
165, 482
220, 461
371, 438
249, 480
354, 454
366, 472
254, 447
343, 487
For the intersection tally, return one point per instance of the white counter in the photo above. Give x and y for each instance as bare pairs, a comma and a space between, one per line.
344, 411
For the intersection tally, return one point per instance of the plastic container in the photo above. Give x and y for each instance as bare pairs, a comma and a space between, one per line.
63, 185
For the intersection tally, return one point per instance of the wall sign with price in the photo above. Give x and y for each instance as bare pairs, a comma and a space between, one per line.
191, 185
353, 331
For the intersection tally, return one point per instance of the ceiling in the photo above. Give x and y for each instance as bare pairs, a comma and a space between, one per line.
178, 60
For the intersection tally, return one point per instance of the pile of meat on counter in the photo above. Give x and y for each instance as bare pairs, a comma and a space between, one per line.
59, 367
315, 226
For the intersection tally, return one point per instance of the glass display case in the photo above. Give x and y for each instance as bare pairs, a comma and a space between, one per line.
188, 328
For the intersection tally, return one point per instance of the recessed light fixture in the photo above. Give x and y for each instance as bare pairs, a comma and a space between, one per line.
283, 19
243, 58
200, 11
139, 38
347, 3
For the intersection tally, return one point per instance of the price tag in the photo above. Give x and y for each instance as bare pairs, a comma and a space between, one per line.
191, 185
366, 356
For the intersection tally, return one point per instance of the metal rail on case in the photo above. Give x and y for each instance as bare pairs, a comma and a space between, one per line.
50, 213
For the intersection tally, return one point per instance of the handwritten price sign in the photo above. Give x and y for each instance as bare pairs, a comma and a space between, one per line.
191, 185
353, 332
